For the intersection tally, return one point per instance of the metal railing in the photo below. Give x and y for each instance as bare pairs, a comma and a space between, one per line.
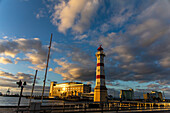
91, 107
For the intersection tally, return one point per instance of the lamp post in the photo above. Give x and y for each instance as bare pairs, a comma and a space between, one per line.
20, 84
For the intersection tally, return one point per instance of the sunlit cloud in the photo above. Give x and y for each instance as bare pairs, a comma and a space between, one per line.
5, 37
66, 14
9, 78
5, 60
73, 71
38, 67
50, 69
33, 50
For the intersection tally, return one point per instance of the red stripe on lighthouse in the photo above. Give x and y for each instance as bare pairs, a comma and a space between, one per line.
100, 64
100, 76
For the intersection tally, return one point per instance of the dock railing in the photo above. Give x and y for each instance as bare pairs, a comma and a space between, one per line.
67, 107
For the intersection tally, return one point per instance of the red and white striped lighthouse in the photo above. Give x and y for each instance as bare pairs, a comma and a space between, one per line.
100, 90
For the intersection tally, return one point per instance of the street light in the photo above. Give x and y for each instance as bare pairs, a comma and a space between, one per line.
20, 84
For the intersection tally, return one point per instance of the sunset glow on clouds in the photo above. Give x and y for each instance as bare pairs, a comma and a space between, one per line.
134, 35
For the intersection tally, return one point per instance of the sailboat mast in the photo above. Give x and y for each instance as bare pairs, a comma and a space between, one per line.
33, 85
46, 68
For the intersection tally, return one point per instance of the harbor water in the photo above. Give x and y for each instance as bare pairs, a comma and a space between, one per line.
13, 101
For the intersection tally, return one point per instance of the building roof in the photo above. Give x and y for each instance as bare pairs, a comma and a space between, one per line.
127, 90
70, 83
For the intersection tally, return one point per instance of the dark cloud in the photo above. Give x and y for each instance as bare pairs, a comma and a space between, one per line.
5, 60
108, 83
140, 52
32, 49
156, 86
8, 80
164, 82
82, 69
11, 78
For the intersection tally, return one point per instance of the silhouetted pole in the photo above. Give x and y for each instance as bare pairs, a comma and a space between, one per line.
46, 68
20, 96
22, 86
33, 86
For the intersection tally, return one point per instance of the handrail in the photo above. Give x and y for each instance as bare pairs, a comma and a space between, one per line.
96, 109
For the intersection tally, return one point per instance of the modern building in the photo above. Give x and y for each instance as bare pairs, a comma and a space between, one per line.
68, 89
127, 94
153, 96
100, 90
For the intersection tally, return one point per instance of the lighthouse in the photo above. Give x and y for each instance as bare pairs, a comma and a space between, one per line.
100, 90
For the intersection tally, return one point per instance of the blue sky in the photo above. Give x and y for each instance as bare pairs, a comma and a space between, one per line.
134, 35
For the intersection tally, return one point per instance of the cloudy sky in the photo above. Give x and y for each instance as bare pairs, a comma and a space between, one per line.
134, 35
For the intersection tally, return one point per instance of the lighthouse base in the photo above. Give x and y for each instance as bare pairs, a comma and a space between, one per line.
100, 94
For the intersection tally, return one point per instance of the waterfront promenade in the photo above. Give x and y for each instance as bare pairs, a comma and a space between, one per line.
9, 105
13, 110
68, 107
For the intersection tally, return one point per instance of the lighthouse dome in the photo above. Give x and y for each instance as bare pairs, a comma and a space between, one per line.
100, 48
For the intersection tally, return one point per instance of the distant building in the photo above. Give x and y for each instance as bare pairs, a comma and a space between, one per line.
89, 96
68, 89
146, 96
127, 94
8, 92
153, 96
